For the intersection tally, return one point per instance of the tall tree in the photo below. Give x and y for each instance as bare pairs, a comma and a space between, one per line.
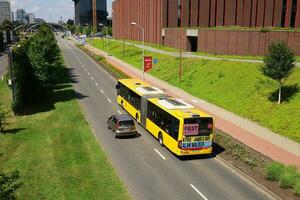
278, 64
7, 25
44, 56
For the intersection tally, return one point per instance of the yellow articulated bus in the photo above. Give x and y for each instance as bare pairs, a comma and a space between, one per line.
176, 124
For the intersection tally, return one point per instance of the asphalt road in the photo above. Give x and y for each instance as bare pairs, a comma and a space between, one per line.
148, 170
3, 64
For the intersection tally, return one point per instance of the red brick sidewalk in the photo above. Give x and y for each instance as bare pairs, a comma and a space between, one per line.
285, 151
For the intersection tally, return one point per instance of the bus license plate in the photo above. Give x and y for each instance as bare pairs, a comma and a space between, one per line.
196, 144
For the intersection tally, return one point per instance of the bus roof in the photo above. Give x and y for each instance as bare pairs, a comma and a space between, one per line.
178, 108
140, 87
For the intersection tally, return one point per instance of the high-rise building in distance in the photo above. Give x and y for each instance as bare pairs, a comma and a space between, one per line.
5, 12
84, 12
30, 17
21, 16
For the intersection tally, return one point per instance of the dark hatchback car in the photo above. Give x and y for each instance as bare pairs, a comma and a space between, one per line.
121, 125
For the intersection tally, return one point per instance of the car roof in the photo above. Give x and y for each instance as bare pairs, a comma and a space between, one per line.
123, 117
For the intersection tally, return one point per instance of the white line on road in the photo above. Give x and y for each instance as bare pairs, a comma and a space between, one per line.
88, 73
102, 91
108, 100
198, 191
119, 112
92, 78
159, 154
195, 101
96, 84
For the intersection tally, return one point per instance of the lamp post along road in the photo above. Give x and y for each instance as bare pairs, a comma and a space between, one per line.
12, 78
143, 46
106, 43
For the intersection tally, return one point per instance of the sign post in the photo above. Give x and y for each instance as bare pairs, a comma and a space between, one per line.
147, 64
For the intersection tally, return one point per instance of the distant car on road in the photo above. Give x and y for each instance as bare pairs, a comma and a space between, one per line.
98, 35
121, 125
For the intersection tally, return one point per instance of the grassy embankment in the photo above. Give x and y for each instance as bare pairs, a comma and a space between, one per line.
170, 49
238, 87
55, 151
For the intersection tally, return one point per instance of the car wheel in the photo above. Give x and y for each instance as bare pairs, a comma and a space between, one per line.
160, 139
115, 134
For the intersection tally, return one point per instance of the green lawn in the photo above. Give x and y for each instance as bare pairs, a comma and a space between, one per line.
170, 49
56, 153
238, 87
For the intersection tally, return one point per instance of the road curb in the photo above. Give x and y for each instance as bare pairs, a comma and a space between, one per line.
259, 187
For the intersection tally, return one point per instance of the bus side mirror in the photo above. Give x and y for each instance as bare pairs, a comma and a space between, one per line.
117, 86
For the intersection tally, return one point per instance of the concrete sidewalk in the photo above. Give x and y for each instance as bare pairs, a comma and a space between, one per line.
259, 138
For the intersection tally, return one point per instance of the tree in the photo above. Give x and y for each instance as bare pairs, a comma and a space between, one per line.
87, 30
9, 183
70, 22
278, 64
44, 56
7, 25
3, 116
79, 29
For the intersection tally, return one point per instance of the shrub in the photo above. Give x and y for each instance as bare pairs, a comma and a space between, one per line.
289, 177
273, 171
297, 188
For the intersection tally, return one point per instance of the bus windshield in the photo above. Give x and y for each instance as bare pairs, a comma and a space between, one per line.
198, 126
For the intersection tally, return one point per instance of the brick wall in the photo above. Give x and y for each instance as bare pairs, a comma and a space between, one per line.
233, 42
149, 14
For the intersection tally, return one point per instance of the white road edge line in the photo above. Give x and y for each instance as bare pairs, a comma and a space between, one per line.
119, 112
159, 154
198, 192
108, 100
96, 84
102, 91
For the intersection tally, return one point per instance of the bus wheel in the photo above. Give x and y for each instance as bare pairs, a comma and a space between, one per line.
137, 118
160, 139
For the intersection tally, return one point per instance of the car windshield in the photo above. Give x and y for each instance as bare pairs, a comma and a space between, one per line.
126, 123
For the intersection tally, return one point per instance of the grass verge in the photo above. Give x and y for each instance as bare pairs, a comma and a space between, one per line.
237, 87
55, 151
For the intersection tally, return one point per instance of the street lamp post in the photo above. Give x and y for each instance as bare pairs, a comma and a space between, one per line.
181, 41
12, 78
143, 47
106, 48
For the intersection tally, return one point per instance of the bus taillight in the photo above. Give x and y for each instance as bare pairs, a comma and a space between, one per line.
180, 144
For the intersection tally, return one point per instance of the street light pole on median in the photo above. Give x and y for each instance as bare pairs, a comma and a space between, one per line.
12, 78
143, 47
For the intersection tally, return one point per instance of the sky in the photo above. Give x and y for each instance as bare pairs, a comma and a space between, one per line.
49, 10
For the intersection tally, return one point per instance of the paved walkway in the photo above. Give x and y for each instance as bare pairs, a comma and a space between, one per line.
191, 55
261, 139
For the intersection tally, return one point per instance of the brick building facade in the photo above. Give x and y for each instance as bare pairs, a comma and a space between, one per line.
161, 21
